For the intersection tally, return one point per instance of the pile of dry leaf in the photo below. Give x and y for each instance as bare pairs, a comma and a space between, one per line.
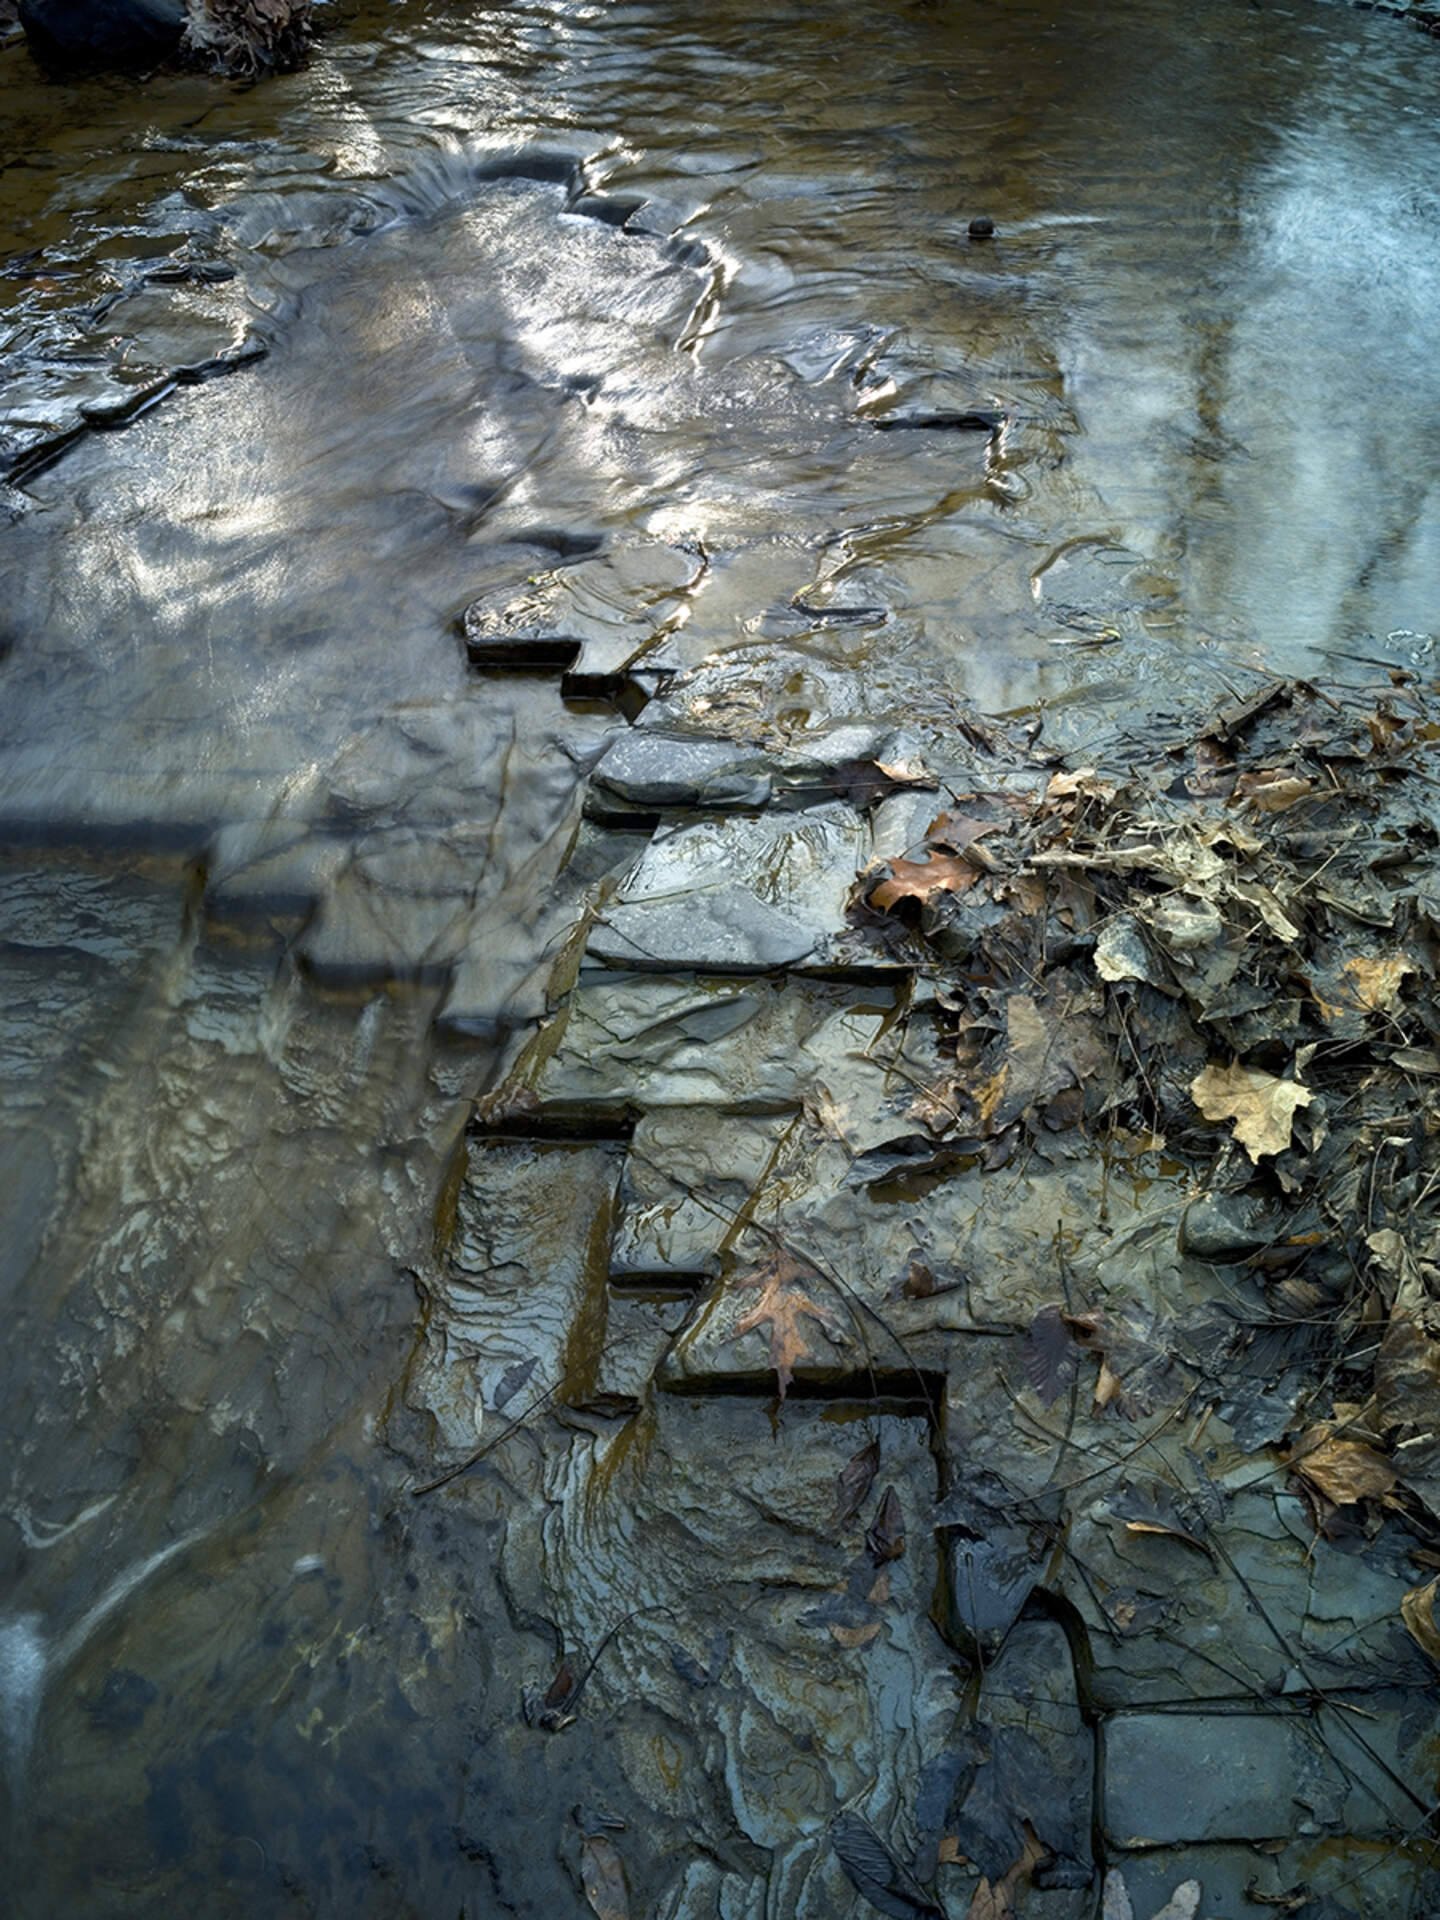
1231, 951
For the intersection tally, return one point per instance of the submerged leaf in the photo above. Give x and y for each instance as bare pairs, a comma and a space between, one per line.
1115, 1901
997, 1902
603, 1877
876, 1873
783, 1305
856, 1636
1261, 1105
1051, 1356
1158, 1512
1183, 1904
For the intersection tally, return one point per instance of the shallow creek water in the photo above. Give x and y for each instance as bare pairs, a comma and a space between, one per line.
286, 878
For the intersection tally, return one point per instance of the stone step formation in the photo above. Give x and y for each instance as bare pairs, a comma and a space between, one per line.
711, 1214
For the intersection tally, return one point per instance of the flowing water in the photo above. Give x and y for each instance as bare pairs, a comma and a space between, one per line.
479, 299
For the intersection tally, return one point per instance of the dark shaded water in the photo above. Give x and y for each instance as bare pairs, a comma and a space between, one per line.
283, 874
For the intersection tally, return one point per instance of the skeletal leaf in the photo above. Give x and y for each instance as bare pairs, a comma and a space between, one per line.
784, 1306
603, 1877
1051, 1357
1261, 1105
885, 1881
1417, 1610
923, 879
1342, 1471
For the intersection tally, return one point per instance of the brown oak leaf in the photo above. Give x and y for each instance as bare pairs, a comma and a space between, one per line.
784, 1305
923, 879
1343, 1471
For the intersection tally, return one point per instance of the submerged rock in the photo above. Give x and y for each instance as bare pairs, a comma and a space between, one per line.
103, 33
234, 36
1224, 1226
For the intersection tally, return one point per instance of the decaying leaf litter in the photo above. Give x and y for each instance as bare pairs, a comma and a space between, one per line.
1221, 953
1230, 956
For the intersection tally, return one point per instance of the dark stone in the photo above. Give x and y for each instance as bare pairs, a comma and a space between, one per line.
982, 227
106, 415
122, 1702
1223, 1227
612, 209
543, 164
944, 420
103, 33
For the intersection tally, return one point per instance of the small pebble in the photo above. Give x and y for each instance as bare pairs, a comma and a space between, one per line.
982, 227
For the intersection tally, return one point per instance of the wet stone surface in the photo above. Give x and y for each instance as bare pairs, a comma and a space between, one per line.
621, 1300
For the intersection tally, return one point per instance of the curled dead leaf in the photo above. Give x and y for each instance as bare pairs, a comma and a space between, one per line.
1262, 1106
1084, 783
1417, 1610
855, 1480
1108, 1384
1342, 1471
885, 1537
1272, 790
907, 773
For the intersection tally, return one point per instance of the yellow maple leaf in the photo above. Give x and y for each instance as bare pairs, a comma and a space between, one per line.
1376, 983
1261, 1105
